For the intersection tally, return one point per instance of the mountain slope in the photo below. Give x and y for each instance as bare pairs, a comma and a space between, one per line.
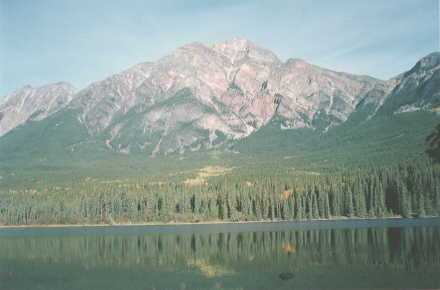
390, 123
33, 103
418, 89
50, 140
235, 86
234, 96
415, 90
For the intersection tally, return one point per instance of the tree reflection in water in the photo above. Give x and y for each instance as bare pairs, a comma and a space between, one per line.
329, 258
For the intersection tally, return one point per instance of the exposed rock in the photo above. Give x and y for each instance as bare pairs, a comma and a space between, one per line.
286, 276
202, 96
33, 103
233, 87
419, 88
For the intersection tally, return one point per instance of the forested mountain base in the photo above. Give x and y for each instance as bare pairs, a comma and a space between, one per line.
407, 190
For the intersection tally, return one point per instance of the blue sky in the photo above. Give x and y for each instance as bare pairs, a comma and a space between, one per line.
81, 41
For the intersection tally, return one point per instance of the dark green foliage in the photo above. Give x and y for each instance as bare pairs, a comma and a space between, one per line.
406, 190
433, 141
54, 138
381, 140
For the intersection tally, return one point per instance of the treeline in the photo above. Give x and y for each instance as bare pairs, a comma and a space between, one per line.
408, 190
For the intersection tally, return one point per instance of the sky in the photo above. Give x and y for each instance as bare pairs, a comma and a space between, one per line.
82, 41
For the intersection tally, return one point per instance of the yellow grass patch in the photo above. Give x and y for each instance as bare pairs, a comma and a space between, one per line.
159, 183
195, 181
248, 183
288, 248
210, 270
206, 172
286, 194
210, 171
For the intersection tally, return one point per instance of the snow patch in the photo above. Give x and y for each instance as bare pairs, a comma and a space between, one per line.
407, 109
414, 108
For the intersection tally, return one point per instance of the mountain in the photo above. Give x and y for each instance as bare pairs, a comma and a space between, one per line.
415, 90
418, 89
33, 103
201, 96
208, 96
389, 124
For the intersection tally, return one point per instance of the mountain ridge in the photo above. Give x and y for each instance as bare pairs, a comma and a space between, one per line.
204, 96
33, 103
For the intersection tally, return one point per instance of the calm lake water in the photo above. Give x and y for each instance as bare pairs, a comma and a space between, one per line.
381, 254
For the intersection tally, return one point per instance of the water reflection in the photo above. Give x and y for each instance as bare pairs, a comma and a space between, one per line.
305, 259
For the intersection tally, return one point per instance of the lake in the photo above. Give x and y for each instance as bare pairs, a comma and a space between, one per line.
360, 254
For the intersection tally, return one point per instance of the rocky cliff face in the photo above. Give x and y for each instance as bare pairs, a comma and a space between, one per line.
33, 103
418, 89
415, 90
201, 96
316, 97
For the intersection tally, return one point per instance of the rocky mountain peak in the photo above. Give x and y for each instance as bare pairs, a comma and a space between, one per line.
201, 96
297, 62
430, 61
39, 93
230, 88
426, 64
33, 103
187, 49
237, 49
416, 89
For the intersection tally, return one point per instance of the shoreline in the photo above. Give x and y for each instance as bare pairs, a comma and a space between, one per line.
214, 223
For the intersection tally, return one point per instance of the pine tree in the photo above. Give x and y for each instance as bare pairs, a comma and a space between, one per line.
404, 200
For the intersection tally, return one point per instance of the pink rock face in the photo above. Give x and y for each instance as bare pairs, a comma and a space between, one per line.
235, 82
230, 88
102, 100
238, 49
33, 103
309, 89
